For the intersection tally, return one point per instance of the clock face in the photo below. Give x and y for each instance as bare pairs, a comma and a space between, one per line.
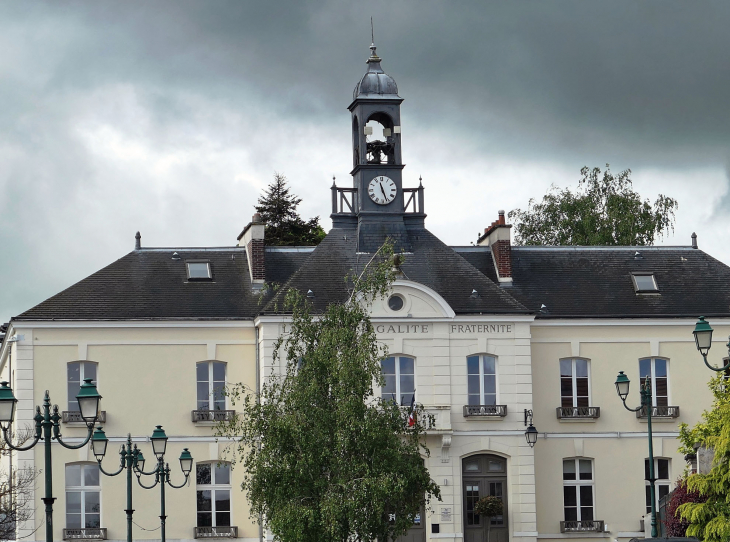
382, 190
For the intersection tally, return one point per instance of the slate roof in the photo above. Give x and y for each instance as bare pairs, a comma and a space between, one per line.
595, 282
431, 263
573, 282
149, 284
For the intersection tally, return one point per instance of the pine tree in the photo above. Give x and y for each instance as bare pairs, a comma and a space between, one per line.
284, 227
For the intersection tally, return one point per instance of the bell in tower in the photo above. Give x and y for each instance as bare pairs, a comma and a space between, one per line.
377, 159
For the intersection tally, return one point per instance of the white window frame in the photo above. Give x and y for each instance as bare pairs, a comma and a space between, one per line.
82, 364
83, 489
213, 487
653, 378
659, 481
481, 378
578, 482
398, 393
574, 381
211, 383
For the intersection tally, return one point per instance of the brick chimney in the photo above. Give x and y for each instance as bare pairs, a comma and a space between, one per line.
497, 236
252, 237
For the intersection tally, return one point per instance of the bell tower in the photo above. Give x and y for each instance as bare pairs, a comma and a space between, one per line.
377, 160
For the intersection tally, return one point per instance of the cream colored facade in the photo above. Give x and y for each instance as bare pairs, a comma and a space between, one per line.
146, 376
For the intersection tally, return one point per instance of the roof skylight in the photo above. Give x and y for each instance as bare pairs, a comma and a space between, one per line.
644, 283
198, 270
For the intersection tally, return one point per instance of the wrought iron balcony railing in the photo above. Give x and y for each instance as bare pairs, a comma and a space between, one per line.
216, 532
588, 525
74, 416
659, 412
499, 411
87, 533
576, 413
213, 415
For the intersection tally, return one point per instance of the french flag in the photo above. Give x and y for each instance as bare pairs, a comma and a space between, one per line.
412, 415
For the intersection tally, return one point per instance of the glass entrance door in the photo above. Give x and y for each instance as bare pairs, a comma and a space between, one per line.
484, 475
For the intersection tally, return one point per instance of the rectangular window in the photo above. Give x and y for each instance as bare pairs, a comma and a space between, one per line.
645, 283
400, 379
83, 497
657, 371
76, 372
213, 485
482, 380
211, 384
578, 489
662, 481
198, 270
574, 388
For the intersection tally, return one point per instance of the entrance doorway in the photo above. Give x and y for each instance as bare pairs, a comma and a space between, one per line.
484, 475
417, 533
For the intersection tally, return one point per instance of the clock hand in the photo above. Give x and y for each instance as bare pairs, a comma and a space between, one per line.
382, 190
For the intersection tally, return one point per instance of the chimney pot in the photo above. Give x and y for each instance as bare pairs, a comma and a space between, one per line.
256, 218
694, 240
137, 241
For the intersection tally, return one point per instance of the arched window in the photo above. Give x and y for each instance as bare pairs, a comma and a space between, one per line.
400, 379
663, 481
211, 385
578, 490
83, 496
657, 371
481, 380
213, 486
379, 139
77, 371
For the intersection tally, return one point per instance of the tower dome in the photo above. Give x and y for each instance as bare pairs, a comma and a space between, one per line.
375, 83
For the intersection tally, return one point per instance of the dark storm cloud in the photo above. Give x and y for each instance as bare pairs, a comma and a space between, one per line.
637, 84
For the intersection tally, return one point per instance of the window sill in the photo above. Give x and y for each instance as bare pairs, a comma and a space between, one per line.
485, 412
211, 417
215, 532
85, 534
72, 418
578, 414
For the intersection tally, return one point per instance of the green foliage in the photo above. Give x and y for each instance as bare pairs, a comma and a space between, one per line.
605, 210
710, 520
284, 227
325, 459
488, 506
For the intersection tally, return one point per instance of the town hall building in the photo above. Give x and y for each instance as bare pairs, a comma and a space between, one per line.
490, 338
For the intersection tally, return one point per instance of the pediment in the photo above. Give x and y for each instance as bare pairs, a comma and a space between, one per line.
418, 301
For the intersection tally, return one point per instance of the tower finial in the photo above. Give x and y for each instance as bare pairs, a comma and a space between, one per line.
372, 31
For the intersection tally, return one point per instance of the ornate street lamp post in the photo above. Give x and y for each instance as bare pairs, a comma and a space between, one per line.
622, 388
128, 459
48, 428
703, 340
162, 470
132, 460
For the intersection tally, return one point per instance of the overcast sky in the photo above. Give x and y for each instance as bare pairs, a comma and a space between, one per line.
170, 117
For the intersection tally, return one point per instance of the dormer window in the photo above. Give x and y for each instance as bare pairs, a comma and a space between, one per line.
644, 283
198, 270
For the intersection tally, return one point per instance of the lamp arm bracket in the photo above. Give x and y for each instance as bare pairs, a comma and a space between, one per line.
637, 409
721, 369
139, 481
138, 472
185, 482
76, 447
108, 473
19, 448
